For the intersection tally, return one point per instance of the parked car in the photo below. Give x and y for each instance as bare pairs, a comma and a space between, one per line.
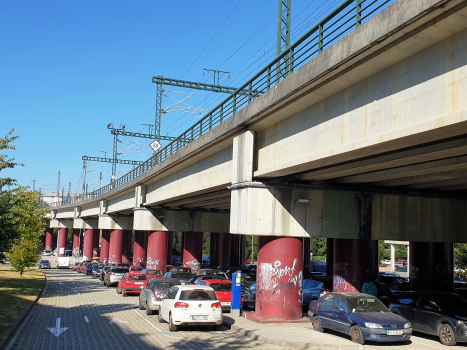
213, 272
362, 316
183, 277
132, 283
207, 260
75, 266
223, 290
45, 264
177, 261
141, 263
312, 289
153, 273
88, 269
104, 270
195, 280
114, 275
79, 268
47, 253
436, 313
190, 306
182, 269
153, 293
96, 270
136, 269
249, 298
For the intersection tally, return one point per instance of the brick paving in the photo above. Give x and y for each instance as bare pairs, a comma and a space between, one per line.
98, 317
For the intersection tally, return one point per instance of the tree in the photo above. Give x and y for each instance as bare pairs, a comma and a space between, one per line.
318, 247
5, 162
25, 253
250, 246
460, 255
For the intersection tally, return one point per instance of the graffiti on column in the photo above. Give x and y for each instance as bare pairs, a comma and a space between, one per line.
341, 278
194, 265
370, 288
279, 280
413, 272
153, 264
445, 270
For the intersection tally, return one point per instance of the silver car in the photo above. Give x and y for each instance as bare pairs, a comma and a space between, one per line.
114, 275
152, 295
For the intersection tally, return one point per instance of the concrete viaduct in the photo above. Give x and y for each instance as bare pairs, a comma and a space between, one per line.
365, 142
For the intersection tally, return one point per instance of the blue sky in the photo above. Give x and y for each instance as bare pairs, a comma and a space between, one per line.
69, 68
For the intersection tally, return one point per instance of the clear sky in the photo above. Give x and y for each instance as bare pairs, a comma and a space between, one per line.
69, 68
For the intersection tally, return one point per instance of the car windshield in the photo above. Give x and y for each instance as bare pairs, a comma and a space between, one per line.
449, 302
164, 286
221, 287
252, 288
155, 272
44, 261
249, 278
119, 270
96, 267
366, 304
198, 295
182, 276
137, 278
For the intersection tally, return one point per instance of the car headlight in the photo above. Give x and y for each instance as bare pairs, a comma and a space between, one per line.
372, 325
408, 325
461, 323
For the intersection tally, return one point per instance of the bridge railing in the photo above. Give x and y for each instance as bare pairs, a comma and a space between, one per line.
349, 15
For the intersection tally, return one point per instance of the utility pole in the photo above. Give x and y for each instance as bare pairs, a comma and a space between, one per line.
283, 37
85, 168
33, 185
100, 182
58, 186
214, 72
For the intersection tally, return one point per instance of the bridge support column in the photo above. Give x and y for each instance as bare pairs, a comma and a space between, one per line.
278, 291
139, 249
115, 247
76, 236
157, 250
95, 244
105, 241
49, 238
88, 244
431, 266
193, 250
306, 255
356, 265
329, 256
126, 246
61, 241
215, 249
225, 250
170, 239
237, 250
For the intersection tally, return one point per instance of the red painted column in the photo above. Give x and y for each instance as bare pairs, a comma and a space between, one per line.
49, 238
236, 246
157, 250
193, 250
115, 247
355, 266
104, 257
170, 239
95, 244
61, 241
139, 249
431, 266
88, 243
126, 246
76, 234
279, 279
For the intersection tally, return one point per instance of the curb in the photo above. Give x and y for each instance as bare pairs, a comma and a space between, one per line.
292, 344
18, 323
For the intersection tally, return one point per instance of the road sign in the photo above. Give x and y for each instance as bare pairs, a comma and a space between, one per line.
155, 145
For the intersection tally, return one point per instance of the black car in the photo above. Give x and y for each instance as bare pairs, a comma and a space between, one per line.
103, 272
44, 264
88, 270
96, 270
249, 298
437, 313
183, 277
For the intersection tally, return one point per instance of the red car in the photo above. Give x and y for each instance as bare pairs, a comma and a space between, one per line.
136, 269
153, 273
75, 266
223, 289
132, 283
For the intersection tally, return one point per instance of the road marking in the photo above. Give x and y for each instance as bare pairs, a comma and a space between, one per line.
86, 319
119, 323
57, 330
152, 325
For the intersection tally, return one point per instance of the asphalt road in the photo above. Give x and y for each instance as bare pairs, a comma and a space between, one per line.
77, 312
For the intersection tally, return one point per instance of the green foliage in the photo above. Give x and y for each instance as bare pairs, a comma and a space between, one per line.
319, 257
177, 244
249, 248
385, 251
318, 247
25, 253
5, 162
206, 243
460, 255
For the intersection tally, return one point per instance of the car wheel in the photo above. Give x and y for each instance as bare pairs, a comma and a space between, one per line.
104, 283
124, 293
217, 327
140, 305
148, 310
317, 324
108, 284
446, 335
159, 316
172, 327
119, 291
356, 335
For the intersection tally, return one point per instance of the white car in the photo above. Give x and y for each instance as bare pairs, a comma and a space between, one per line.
190, 305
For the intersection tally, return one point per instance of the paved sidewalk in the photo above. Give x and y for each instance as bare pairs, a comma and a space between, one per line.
302, 336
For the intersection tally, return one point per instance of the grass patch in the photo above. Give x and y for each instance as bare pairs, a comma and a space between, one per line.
16, 294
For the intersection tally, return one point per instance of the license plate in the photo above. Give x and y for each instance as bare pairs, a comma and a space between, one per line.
139, 282
395, 332
199, 318
225, 304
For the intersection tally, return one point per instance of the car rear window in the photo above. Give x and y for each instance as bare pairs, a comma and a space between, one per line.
164, 286
155, 272
182, 276
136, 268
137, 278
198, 295
221, 287
119, 270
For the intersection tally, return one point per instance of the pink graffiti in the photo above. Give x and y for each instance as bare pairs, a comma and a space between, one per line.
153, 264
341, 283
194, 265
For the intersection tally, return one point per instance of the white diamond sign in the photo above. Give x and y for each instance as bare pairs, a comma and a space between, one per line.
155, 145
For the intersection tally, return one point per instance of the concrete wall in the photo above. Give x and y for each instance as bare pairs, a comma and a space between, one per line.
65, 214
124, 201
421, 93
90, 210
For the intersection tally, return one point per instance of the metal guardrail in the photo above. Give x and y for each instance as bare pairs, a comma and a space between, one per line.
349, 15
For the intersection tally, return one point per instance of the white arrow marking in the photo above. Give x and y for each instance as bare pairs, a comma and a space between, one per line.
57, 330
86, 319
119, 323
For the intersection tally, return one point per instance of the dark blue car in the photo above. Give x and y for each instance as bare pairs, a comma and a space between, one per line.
362, 316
